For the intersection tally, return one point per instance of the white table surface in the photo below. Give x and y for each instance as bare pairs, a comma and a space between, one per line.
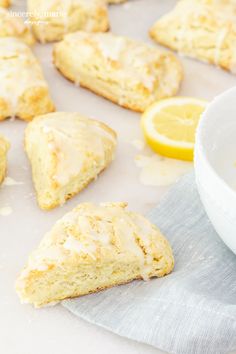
24, 330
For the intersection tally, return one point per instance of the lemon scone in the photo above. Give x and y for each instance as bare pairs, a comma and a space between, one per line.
4, 146
203, 29
11, 26
91, 248
127, 72
66, 151
5, 3
24, 92
54, 18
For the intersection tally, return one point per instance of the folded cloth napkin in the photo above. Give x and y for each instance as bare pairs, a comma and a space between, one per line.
192, 310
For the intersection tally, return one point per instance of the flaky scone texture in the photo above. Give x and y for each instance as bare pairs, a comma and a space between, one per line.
5, 3
202, 29
66, 151
52, 19
129, 73
93, 247
4, 147
24, 92
12, 26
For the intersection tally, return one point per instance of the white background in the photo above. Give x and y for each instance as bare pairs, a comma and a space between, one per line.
24, 330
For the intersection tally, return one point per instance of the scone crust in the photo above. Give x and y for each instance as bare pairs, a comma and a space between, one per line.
105, 241
11, 26
68, 140
89, 16
4, 147
127, 72
5, 3
202, 29
28, 95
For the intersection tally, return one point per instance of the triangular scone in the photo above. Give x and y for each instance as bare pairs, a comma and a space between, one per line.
203, 29
5, 3
86, 15
66, 151
130, 73
94, 248
24, 92
12, 26
4, 146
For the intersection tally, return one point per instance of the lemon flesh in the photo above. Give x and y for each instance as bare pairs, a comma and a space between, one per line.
170, 125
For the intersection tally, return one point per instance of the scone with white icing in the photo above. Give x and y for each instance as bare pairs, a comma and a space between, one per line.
66, 151
202, 29
86, 15
24, 92
125, 71
92, 248
4, 147
5, 3
11, 26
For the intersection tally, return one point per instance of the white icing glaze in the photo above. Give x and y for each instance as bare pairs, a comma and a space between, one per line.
159, 171
41, 259
125, 231
19, 70
138, 67
74, 245
223, 12
103, 133
111, 47
11, 182
72, 139
6, 211
125, 227
46, 9
91, 229
219, 43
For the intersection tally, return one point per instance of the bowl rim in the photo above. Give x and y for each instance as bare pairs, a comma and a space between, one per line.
200, 146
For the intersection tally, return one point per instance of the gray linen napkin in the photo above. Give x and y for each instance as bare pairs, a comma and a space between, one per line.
193, 310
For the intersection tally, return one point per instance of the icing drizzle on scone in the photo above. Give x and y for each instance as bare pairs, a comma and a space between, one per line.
19, 70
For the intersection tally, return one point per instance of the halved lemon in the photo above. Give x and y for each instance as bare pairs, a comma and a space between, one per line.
169, 126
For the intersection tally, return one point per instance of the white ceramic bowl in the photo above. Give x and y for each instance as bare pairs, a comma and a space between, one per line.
215, 164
